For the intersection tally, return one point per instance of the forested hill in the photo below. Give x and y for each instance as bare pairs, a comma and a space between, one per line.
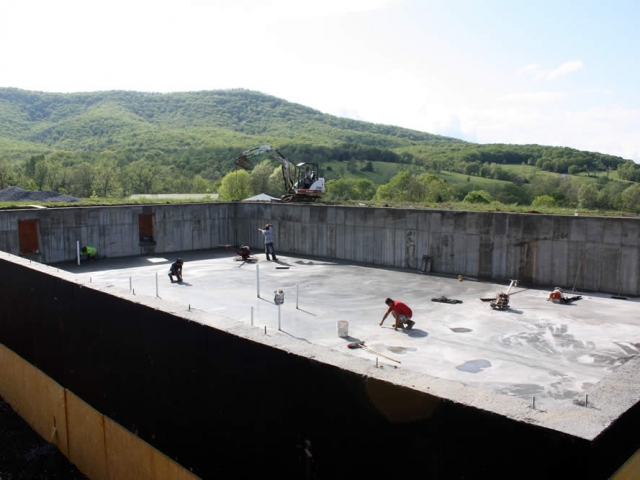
119, 119
203, 132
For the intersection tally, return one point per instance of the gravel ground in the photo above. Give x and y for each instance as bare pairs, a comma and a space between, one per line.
25, 455
17, 194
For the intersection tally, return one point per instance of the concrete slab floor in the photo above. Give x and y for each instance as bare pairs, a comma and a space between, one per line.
535, 348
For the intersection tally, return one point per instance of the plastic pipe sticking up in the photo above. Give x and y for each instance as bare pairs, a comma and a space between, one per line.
258, 279
78, 251
130, 285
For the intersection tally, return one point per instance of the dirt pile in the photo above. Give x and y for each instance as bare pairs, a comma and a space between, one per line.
17, 194
25, 455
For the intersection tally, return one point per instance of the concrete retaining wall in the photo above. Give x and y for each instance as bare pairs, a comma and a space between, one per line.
590, 253
229, 401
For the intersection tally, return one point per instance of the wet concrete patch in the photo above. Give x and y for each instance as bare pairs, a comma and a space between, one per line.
401, 350
460, 330
523, 390
474, 366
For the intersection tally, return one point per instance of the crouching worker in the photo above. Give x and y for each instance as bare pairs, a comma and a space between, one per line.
557, 296
176, 270
401, 313
89, 254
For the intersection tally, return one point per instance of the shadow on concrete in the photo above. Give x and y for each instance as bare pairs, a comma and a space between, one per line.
146, 260
304, 311
416, 333
293, 336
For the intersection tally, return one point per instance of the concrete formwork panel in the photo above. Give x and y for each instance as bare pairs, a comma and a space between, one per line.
460, 254
590, 274
559, 263
630, 236
629, 271
543, 262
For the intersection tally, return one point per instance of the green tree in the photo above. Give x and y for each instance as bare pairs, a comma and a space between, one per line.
478, 196
106, 182
84, 178
235, 186
259, 177
6, 174
588, 196
141, 177
544, 201
339, 189
630, 199
275, 186
201, 185
364, 189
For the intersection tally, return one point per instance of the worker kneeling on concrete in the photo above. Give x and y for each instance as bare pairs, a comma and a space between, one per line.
401, 313
89, 254
557, 296
176, 270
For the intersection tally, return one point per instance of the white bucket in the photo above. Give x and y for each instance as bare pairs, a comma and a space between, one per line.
343, 328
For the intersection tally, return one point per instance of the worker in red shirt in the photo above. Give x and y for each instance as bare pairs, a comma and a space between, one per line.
401, 313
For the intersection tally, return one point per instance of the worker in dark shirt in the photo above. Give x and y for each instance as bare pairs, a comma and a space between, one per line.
176, 270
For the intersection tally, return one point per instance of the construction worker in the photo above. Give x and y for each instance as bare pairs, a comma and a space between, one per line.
176, 270
89, 253
557, 296
268, 241
401, 313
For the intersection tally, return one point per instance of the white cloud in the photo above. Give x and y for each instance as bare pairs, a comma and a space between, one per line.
538, 73
280, 9
534, 97
564, 69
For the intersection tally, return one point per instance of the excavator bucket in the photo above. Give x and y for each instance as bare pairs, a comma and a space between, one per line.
243, 162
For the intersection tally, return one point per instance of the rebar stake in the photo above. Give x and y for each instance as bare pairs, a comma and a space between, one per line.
533, 403
586, 400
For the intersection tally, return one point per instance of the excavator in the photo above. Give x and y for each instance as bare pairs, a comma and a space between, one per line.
301, 182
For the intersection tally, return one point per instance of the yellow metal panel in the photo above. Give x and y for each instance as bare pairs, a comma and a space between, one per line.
36, 397
167, 469
400, 404
630, 470
127, 455
86, 438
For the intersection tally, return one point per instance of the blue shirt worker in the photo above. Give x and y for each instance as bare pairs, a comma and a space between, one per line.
268, 241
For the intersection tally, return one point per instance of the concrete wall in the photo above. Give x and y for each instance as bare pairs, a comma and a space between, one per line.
229, 401
592, 253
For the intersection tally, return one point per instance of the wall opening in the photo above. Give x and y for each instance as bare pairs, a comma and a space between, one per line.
145, 228
28, 237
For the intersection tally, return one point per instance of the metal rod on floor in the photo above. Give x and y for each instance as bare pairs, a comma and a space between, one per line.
279, 317
258, 279
251, 315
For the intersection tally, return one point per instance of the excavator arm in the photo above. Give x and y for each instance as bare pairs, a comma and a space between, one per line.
243, 161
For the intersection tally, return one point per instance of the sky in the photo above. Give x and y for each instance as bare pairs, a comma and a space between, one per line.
548, 72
